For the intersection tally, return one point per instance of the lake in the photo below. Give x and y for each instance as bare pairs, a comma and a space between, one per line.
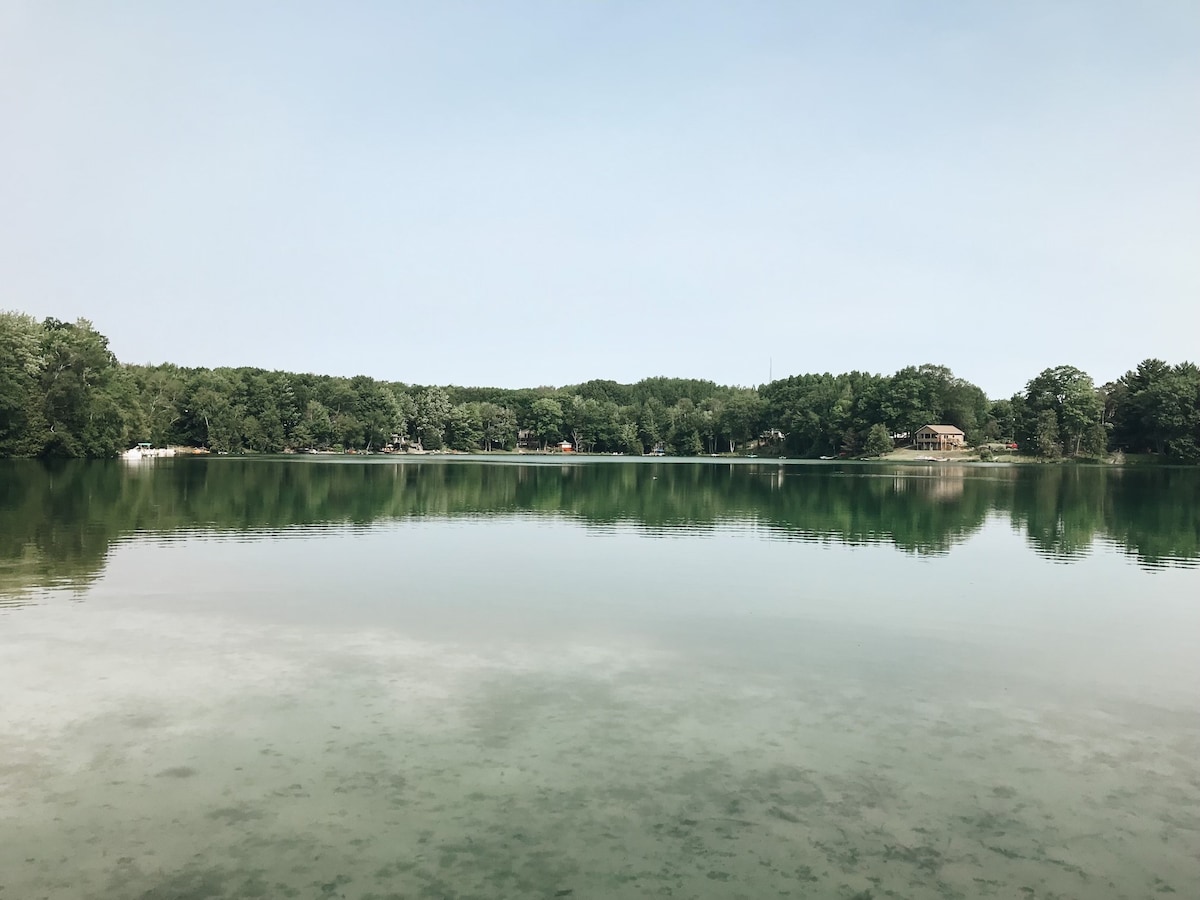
378, 678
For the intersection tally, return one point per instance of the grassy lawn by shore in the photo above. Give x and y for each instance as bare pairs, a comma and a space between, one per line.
972, 454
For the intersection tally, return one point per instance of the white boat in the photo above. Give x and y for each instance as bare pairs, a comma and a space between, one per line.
144, 451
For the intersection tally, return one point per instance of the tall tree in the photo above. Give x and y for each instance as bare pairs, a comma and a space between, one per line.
88, 401
464, 427
740, 417
878, 441
20, 367
499, 426
1070, 394
433, 412
547, 419
1157, 407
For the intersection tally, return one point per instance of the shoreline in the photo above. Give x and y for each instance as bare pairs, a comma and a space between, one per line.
538, 457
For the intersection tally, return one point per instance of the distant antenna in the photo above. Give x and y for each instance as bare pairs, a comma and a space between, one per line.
770, 369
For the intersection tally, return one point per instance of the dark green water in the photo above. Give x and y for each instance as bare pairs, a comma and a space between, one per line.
227, 678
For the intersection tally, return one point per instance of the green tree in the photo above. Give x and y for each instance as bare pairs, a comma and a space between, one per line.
433, 412
161, 390
740, 418
20, 367
1071, 395
652, 423
683, 430
377, 411
591, 424
88, 401
499, 426
1046, 435
629, 439
263, 398
1000, 424
878, 442
1157, 407
547, 419
314, 430
406, 413
909, 400
464, 427
851, 442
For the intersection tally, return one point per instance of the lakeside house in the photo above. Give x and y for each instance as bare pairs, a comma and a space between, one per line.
939, 437
566, 447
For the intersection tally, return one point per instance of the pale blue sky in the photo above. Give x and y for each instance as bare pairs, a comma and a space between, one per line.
524, 193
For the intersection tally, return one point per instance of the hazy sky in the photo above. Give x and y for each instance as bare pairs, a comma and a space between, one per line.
524, 193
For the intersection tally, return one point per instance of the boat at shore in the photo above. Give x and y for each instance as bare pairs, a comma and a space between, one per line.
144, 451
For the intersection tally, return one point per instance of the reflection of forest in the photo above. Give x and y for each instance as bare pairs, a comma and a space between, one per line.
57, 522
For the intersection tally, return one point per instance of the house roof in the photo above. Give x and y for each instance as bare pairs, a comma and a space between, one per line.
942, 429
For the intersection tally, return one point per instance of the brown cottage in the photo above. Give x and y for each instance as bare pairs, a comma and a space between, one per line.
939, 437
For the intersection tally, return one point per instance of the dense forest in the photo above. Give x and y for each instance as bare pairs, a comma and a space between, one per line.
63, 393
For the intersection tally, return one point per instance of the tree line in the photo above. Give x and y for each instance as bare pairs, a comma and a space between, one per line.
63, 393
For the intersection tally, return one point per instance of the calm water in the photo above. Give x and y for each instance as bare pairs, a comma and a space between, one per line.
373, 679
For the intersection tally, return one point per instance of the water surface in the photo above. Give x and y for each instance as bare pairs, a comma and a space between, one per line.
232, 678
